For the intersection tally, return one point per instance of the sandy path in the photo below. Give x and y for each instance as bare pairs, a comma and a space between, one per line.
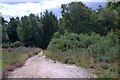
41, 67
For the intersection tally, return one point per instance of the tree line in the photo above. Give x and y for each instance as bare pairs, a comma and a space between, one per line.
30, 30
34, 30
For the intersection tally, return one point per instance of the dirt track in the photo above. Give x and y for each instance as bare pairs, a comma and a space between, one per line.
41, 67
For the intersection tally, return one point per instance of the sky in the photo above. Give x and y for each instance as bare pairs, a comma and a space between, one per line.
20, 8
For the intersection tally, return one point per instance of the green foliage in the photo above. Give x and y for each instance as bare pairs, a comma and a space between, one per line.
5, 45
4, 31
17, 44
57, 35
78, 18
94, 44
70, 41
86, 50
12, 45
11, 30
4, 34
49, 27
115, 6
37, 31
29, 31
106, 22
74, 17
65, 43
100, 51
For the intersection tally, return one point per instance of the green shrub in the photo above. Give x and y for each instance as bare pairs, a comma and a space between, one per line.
87, 51
66, 42
11, 45
17, 44
112, 39
5, 45
57, 35
95, 38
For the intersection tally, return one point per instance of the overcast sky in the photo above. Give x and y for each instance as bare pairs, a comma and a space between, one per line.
25, 7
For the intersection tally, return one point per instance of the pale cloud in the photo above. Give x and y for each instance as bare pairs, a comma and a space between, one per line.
49, 0
21, 9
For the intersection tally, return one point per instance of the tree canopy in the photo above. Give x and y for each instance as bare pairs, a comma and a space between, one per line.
34, 30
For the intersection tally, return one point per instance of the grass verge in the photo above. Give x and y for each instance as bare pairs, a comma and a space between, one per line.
13, 58
101, 69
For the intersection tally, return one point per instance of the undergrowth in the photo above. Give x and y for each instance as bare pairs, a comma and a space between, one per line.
92, 51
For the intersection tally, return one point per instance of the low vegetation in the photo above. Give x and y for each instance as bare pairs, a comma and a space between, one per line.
12, 45
13, 58
93, 51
